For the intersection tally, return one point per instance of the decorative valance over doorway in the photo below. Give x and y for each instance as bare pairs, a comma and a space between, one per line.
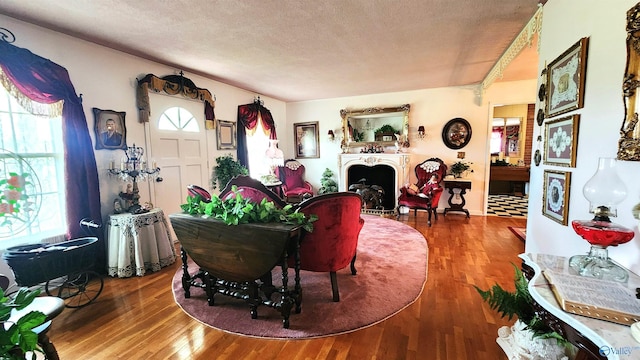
174, 85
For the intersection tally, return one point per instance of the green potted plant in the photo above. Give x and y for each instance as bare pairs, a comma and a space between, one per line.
327, 184
19, 338
529, 328
460, 167
226, 169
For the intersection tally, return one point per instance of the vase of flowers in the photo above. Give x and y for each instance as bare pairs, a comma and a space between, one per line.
459, 168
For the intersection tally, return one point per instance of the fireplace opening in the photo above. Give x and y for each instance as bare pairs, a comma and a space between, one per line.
381, 175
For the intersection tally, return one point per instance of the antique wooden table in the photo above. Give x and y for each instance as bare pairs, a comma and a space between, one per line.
237, 261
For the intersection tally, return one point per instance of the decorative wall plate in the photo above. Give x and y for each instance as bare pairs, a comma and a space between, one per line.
540, 117
537, 157
456, 133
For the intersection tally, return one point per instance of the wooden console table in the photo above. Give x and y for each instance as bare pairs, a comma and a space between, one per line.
512, 178
595, 339
462, 186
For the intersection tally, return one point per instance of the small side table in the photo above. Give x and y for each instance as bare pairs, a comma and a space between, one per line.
462, 186
275, 187
137, 243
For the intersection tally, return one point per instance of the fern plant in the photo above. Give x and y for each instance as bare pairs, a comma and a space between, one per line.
518, 303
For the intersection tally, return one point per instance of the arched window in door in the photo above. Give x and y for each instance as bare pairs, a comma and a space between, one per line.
178, 118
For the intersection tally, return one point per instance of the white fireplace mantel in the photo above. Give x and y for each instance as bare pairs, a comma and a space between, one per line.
399, 162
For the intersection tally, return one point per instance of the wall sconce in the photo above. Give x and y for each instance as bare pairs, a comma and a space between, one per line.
421, 132
332, 136
605, 190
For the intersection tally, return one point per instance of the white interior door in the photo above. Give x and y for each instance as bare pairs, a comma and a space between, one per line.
178, 145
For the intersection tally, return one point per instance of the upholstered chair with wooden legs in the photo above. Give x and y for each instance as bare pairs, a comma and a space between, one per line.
294, 187
425, 193
332, 244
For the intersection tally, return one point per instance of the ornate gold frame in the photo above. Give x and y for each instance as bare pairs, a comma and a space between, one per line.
629, 143
402, 110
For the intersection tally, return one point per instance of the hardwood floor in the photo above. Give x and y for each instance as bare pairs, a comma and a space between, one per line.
137, 318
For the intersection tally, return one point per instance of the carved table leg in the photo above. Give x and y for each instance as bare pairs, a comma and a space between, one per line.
186, 279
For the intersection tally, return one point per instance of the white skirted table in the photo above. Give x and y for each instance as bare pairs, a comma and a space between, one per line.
137, 243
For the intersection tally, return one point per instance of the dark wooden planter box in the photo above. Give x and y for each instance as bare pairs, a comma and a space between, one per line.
237, 260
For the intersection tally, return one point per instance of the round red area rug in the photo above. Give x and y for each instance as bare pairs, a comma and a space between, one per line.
392, 271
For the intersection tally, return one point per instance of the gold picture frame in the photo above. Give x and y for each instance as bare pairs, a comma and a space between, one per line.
555, 197
110, 129
566, 80
561, 141
226, 135
307, 140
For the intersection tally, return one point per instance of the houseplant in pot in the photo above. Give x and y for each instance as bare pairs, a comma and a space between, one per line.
530, 337
226, 169
459, 168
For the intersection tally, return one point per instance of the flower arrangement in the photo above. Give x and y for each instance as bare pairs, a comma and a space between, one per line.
460, 167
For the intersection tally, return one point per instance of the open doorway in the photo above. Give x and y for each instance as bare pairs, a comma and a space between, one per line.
510, 159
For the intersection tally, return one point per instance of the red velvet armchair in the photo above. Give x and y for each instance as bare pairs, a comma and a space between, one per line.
294, 187
332, 244
424, 195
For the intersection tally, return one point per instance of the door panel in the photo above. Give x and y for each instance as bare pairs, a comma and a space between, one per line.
181, 155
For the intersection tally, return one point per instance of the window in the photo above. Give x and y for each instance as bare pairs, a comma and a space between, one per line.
257, 144
505, 136
177, 118
32, 195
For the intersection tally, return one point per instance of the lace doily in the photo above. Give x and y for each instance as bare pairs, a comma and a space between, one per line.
430, 166
293, 165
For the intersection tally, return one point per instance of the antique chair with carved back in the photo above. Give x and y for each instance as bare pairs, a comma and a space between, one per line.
425, 193
252, 189
332, 244
294, 187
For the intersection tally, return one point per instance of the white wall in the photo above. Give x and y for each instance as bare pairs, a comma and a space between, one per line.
564, 23
431, 108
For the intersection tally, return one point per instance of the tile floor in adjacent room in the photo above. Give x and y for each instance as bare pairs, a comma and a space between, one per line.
508, 206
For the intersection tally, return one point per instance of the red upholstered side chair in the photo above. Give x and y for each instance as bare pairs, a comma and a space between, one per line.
251, 188
294, 188
332, 244
424, 194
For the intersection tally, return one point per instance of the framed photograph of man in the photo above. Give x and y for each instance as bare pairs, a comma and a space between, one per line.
111, 133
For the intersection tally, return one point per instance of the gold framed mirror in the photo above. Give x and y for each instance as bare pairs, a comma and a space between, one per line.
629, 143
375, 125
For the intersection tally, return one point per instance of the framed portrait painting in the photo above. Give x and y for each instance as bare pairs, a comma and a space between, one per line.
566, 79
307, 140
226, 135
561, 139
110, 129
555, 198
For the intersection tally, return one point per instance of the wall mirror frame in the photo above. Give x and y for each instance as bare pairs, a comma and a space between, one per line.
371, 125
629, 143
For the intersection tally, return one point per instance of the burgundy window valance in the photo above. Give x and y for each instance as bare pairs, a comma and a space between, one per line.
174, 85
247, 122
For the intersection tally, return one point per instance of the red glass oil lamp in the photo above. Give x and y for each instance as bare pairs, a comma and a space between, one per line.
604, 191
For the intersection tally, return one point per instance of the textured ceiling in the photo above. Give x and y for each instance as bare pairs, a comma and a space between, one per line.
303, 50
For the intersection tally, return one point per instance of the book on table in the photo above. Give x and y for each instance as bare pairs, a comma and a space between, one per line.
595, 298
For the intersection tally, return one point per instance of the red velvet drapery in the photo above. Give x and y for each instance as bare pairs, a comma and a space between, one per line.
46, 82
248, 120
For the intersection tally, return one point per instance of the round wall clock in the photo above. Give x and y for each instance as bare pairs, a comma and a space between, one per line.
456, 133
